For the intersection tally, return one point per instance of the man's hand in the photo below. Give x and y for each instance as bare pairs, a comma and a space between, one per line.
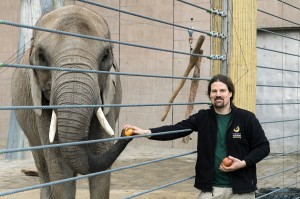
237, 164
137, 130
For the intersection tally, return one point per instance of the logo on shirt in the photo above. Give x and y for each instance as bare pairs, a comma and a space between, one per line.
236, 132
236, 129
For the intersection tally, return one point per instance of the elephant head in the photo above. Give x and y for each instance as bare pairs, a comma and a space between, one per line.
58, 87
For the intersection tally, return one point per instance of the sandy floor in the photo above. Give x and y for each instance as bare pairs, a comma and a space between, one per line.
133, 181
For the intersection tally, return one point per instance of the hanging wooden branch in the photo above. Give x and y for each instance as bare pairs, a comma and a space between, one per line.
193, 92
193, 60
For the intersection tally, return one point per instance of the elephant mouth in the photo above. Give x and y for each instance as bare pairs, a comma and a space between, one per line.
100, 115
46, 93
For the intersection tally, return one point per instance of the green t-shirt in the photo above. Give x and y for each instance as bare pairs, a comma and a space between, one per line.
221, 179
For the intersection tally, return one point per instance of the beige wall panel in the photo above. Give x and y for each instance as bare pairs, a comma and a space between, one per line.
9, 43
279, 9
144, 90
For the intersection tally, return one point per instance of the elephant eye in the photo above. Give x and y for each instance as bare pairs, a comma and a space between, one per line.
105, 62
105, 57
41, 59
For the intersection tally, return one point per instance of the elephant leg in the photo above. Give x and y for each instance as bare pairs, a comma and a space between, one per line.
42, 169
99, 186
58, 170
66, 190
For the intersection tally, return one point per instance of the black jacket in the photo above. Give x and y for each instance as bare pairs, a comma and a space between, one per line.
245, 140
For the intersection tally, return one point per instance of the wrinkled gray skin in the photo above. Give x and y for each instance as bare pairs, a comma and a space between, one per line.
44, 87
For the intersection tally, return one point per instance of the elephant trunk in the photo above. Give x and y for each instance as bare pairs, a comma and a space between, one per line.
73, 123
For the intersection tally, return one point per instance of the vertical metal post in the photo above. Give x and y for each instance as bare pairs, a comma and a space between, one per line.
224, 44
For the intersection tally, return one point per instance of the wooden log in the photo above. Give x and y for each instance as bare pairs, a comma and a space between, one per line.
193, 93
193, 60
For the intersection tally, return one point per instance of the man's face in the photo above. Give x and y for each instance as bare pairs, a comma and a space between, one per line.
220, 95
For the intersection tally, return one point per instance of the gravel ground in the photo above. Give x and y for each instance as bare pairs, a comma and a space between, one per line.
133, 181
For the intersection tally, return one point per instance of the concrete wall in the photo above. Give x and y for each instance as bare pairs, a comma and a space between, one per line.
289, 93
282, 95
290, 80
136, 90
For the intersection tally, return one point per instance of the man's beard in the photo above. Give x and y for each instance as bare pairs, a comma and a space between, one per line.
219, 104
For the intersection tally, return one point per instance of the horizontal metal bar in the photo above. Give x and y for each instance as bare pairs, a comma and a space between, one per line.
160, 187
280, 172
281, 154
94, 71
212, 57
211, 11
277, 121
277, 51
275, 33
279, 86
219, 35
281, 69
278, 17
88, 142
289, 4
279, 138
96, 106
90, 175
277, 103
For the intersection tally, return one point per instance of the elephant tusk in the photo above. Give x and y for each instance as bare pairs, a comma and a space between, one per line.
104, 123
53, 124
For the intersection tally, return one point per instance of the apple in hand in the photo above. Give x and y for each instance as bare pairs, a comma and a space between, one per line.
128, 132
227, 162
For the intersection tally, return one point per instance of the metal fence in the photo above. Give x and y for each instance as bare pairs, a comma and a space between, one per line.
264, 102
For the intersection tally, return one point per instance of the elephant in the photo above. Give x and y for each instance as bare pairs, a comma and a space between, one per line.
38, 87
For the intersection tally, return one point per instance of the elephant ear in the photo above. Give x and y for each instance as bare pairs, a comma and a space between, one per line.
36, 92
111, 89
35, 88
